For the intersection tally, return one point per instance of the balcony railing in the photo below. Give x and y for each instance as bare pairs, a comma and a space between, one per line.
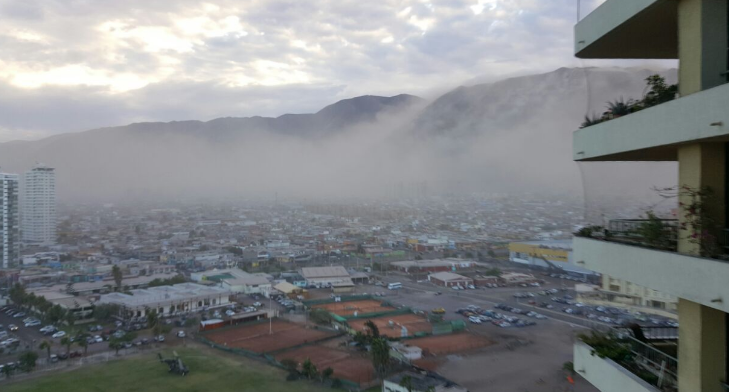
646, 361
657, 233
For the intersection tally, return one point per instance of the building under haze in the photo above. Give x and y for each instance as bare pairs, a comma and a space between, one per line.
9, 221
692, 130
39, 206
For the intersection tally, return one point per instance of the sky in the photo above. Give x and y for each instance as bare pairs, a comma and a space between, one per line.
73, 65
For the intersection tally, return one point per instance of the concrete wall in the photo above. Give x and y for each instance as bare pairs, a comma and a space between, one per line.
606, 375
682, 120
698, 279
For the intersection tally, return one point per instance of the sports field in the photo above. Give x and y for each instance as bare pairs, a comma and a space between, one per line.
264, 338
346, 365
392, 325
350, 307
209, 371
448, 344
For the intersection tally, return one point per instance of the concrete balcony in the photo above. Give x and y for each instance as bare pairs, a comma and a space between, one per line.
605, 374
696, 279
654, 134
635, 29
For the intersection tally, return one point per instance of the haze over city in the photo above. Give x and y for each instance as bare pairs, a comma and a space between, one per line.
395, 196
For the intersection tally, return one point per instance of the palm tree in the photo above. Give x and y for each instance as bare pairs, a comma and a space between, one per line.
46, 345
590, 120
619, 107
66, 341
82, 342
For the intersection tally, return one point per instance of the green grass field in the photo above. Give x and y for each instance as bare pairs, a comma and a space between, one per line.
209, 371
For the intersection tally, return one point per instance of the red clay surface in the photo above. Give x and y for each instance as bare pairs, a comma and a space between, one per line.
346, 365
348, 308
412, 322
447, 344
256, 337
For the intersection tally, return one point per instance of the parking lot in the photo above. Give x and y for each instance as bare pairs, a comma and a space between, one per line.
529, 358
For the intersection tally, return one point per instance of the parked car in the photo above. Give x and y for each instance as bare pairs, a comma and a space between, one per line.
474, 320
12, 327
181, 334
59, 334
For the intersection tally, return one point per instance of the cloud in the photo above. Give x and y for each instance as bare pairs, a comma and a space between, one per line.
76, 65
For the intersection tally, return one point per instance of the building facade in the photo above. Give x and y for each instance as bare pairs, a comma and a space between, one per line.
39, 206
9, 221
692, 130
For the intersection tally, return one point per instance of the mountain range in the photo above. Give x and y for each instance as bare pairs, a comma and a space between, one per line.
511, 135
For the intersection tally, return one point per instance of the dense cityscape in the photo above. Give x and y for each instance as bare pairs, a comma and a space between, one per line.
539, 228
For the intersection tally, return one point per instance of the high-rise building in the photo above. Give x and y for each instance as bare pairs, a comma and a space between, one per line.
9, 221
39, 206
693, 131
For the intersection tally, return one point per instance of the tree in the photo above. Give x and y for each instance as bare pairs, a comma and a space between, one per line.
7, 371
380, 355
17, 294
116, 272
407, 383
153, 321
104, 312
55, 314
46, 345
309, 370
27, 360
372, 329
290, 365
83, 343
66, 341
320, 316
493, 272
326, 374
659, 92
116, 345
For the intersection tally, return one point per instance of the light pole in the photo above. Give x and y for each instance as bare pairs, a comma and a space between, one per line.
270, 320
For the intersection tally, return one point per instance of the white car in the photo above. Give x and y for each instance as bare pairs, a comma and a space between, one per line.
98, 339
455, 288
474, 320
229, 312
58, 334
257, 304
472, 287
33, 323
181, 334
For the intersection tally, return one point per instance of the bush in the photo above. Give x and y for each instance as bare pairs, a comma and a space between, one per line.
589, 231
607, 346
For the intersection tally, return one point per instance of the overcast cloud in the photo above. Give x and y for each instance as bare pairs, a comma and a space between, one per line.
72, 65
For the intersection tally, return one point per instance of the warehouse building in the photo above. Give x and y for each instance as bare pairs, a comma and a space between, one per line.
326, 276
436, 265
449, 279
168, 300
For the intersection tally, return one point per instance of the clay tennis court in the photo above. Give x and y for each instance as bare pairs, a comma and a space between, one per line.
412, 322
346, 365
256, 337
447, 344
348, 308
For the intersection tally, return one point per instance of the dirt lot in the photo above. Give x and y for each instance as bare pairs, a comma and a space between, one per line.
349, 308
256, 337
346, 365
412, 322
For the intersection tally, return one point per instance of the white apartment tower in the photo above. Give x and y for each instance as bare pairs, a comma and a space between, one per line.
39, 206
9, 221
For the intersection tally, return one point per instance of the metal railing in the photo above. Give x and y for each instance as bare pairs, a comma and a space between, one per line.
631, 231
652, 333
647, 357
652, 357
